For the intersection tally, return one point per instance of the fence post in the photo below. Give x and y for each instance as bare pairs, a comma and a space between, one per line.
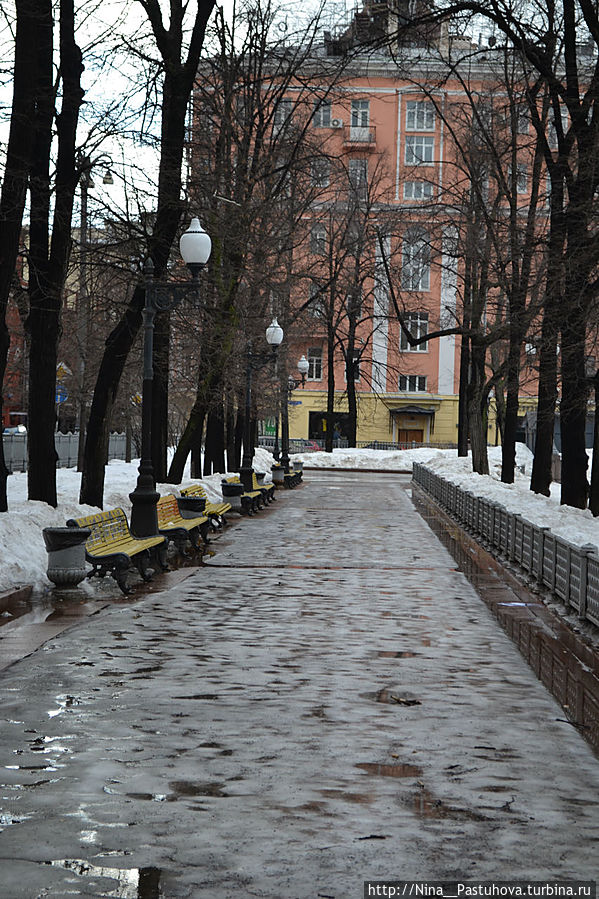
587, 550
541, 531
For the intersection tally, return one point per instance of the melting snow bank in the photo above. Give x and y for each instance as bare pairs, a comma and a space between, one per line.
23, 558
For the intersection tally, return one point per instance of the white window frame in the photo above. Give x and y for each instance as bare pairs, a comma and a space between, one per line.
314, 356
415, 260
420, 150
321, 117
521, 178
318, 240
356, 368
522, 120
417, 325
412, 384
360, 114
282, 113
317, 302
357, 170
420, 115
417, 190
320, 172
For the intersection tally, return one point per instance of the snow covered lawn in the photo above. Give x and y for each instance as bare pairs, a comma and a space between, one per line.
23, 558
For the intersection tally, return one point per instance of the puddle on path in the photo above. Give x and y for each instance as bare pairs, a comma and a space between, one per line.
385, 770
131, 883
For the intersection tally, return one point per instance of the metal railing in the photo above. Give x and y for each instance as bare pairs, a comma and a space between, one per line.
570, 572
302, 445
15, 450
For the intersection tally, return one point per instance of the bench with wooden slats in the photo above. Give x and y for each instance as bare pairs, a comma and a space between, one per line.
180, 530
112, 549
268, 491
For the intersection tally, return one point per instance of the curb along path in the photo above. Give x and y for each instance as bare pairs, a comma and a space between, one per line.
327, 701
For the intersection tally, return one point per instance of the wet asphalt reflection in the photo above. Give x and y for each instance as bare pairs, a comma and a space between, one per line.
327, 700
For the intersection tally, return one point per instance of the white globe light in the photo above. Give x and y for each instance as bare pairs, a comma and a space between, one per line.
274, 333
195, 245
303, 366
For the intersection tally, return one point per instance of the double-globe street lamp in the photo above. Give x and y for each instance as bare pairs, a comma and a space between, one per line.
292, 384
161, 296
254, 361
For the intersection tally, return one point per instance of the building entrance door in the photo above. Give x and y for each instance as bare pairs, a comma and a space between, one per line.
409, 436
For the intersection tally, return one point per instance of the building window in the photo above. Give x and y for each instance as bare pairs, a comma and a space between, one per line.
412, 383
552, 130
318, 240
320, 172
417, 190
521, 178
360, 120
522, 120
415, 268
282, 114
355, 367
322, 114
420, 115
317, 302
315, 363
420, 150
358, 176
360, 113
417, 325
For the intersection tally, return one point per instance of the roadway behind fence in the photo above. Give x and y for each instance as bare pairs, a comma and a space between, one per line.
15, 450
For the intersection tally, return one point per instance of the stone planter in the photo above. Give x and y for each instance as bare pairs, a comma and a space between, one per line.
66, 555
278, 473
232, 494
191, 506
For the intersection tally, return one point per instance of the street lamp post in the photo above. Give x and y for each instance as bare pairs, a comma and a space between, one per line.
303, 367
195, 246
254, 361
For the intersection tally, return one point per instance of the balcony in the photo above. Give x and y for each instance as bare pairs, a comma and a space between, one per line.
359, 136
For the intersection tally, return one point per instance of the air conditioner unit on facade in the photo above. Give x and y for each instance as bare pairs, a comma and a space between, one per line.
336, 123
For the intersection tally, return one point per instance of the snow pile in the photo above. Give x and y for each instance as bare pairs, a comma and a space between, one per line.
23, 558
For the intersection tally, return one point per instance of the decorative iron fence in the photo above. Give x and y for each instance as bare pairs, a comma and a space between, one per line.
15, 450
303, 445
570, 572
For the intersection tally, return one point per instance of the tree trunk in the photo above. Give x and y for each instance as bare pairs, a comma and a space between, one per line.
573, 411
329, 434
508, 454
14, 184
214, 447
230, 434
478, 430
190, 440
48, 270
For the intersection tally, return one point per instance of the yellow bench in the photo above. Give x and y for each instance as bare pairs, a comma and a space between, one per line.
112, 549
268, 491
215, 511
178, 529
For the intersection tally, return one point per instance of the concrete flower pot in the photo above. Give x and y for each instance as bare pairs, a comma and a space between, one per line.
66, 555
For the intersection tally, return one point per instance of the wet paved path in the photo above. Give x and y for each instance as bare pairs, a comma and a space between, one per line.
327, 701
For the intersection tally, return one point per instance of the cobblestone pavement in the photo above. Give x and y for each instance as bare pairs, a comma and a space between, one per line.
327, 701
